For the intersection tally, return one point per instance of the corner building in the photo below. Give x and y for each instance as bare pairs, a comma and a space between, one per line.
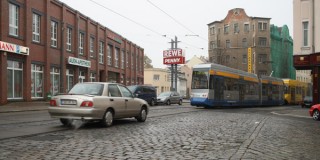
46, 47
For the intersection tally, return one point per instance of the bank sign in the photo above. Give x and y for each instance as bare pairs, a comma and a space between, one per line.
174, 56
9, 47
79, 62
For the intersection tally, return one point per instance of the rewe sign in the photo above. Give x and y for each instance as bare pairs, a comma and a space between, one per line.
174, 56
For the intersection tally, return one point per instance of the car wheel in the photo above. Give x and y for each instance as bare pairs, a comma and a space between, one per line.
107, 119
316, 115
180, 102
66, 122
168, 102
143, 115
152, 103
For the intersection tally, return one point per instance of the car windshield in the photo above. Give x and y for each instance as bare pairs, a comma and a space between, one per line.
132, 88
164, 94
87, 88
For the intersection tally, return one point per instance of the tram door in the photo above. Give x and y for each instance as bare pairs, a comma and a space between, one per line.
241, 92
218, 88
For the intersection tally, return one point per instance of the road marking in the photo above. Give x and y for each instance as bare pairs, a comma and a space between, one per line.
290, 115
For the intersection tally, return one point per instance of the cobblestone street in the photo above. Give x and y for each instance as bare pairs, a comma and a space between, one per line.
203, 134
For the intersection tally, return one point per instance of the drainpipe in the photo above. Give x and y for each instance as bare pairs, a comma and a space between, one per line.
313, 24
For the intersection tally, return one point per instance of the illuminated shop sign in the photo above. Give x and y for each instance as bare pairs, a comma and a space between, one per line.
9, 47
174, 56
79, 62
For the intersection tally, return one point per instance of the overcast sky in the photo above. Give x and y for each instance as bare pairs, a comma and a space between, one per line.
145, 22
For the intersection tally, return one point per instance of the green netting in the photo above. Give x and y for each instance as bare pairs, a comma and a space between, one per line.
282, 52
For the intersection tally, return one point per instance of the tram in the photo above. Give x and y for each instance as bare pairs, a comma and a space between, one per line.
216, 85
295, 91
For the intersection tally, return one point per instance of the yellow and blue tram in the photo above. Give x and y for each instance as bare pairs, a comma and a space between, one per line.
295, 91
217, 85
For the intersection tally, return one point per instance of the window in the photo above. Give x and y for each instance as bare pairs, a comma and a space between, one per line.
69, 36
226, 29
128, 59
236, 28
35, 27
81, 43
70, 79
54, 80
262, 58
116, 57
109, 50
262, 41
54, 34
82, 76
132, 60
13, 19
36, 81
262, 72
262, 26
122, 59
14, 79
212, 45
91, 46
244, 43
137, 63
212, 30
244, 59
246, 28
228, 44
156, 77
101, 52
305, 33
92, 77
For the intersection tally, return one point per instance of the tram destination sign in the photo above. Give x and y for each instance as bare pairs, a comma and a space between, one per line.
174, 56
79, 62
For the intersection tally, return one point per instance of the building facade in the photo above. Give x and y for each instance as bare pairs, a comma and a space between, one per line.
159, 78
282, 52
46, 47
306, 32
241, 42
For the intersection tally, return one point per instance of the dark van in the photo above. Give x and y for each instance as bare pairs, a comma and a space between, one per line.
147, 93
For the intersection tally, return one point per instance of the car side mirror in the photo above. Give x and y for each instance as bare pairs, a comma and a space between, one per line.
136, 95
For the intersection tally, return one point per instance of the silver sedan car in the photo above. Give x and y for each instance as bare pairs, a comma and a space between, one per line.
98, 101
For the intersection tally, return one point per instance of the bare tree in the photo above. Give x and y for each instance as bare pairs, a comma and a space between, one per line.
147, 62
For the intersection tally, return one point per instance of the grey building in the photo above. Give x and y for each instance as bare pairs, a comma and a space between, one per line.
241, 42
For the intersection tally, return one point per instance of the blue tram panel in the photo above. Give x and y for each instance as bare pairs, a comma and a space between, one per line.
217, 85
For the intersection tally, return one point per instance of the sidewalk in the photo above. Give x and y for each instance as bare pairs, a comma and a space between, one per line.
24, 106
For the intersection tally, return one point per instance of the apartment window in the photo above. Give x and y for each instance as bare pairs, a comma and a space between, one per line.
116, 57
262, 72
54, 80
244, 43
212, 30
305, 33
109, 50
92, 77
13, 19
132, 60
212, 45
156, 77
262, 41
228, 44
81, 43
262, 26
262, 58
244, 59
246, 27
236, 28
226, 29
35, 27
128, 59
101, 52
36, 81
91, 46
54, 34
122, 59
137, 67
69, 36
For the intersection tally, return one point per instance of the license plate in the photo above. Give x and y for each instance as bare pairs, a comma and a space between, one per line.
68, 102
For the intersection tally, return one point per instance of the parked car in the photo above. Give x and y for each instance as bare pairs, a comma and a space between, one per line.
98, 101
314, 112
169, 98
148, 93
307, 101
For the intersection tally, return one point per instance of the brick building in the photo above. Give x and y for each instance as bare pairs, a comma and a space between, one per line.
231, 38
46, 47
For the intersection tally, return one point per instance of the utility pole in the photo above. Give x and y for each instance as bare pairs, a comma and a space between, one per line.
174, 67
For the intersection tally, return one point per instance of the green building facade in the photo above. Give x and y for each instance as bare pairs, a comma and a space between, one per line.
281, 45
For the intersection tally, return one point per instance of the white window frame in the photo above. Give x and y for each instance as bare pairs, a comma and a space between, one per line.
82, 76
116, 57
101, 52
69, 74
69, 38
81, 43
156, 77
305, 33
35, 27
122, 59
36, 70
54, 34
53, 73
91, 46
109, 50
13, 20
92, 77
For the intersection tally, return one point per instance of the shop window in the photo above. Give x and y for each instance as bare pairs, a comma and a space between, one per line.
36, 81
92, 77
82, 76
14, 79
54, 80
70, 79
